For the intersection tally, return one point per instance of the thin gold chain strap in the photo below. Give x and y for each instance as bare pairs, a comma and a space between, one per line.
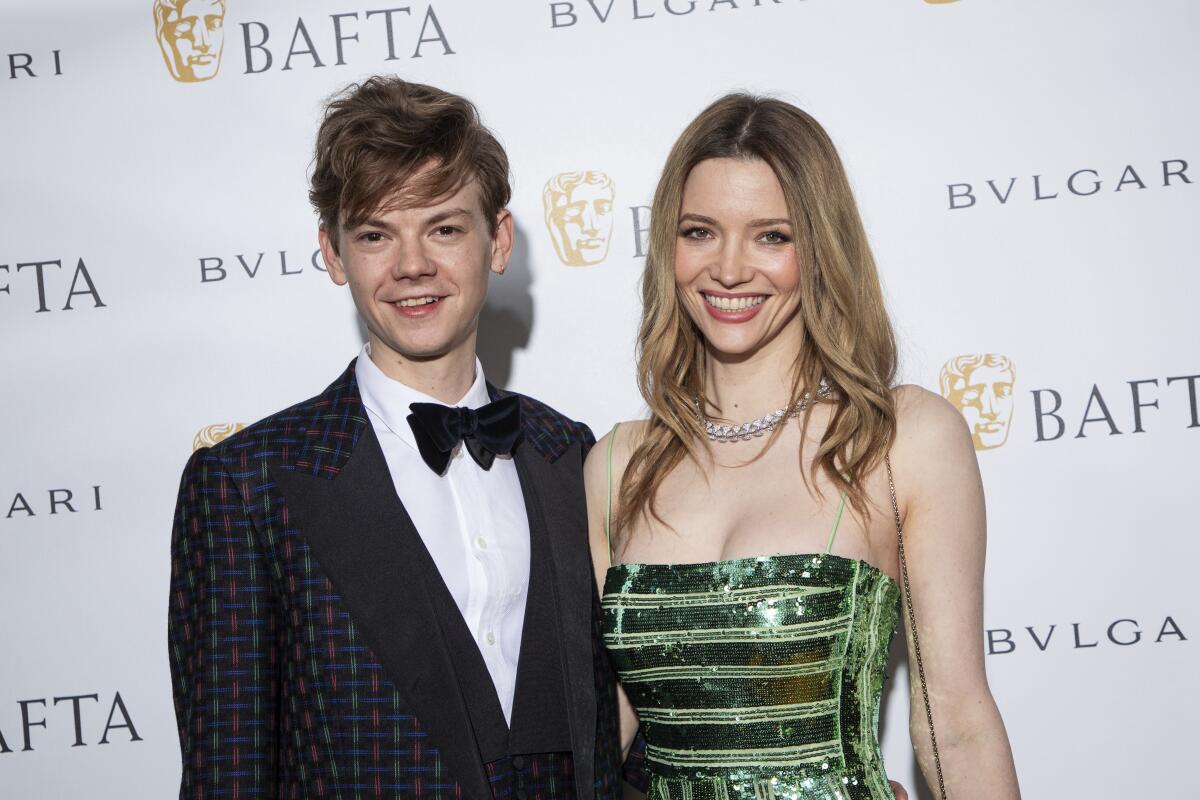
912, 624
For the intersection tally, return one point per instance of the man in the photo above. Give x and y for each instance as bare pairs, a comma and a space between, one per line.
385, 591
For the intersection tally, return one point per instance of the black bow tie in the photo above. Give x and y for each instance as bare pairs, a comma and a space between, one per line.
487, 431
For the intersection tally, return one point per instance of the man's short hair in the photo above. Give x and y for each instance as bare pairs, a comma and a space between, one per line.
376, 137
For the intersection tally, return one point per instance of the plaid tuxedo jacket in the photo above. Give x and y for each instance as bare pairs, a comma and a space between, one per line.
302, 666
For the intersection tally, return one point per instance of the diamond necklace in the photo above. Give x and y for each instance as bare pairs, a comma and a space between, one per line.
718, 432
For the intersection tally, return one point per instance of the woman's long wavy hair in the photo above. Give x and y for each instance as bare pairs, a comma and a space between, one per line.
847, 336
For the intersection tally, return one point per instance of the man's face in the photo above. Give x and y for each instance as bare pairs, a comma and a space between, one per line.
194, 36
984, 394
583, 218
419, 276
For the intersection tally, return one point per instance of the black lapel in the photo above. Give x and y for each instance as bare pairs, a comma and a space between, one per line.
540, 720
364, 540
554, 490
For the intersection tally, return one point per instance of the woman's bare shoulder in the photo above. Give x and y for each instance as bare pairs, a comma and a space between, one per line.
623, 439
933, 445
928, 425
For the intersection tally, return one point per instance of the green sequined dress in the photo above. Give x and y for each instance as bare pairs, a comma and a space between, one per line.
755, 678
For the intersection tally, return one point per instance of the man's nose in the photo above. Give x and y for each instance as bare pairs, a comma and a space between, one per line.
412, 262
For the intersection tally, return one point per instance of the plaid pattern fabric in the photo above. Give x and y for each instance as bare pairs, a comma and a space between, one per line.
276, 695
545, 776
546, 430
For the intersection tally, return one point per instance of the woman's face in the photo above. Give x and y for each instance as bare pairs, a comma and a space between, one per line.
735, 258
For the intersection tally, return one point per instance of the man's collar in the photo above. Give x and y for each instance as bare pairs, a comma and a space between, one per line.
389, 399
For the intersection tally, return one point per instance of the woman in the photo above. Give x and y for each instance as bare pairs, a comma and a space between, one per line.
751, 576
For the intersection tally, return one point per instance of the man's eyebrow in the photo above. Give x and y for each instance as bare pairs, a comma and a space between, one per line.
449, 213
376, 222
441, 216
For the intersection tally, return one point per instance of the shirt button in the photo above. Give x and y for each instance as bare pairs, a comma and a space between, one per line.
490, 638
481, 542
518, 762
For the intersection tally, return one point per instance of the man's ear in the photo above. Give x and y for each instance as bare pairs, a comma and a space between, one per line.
502, 241
329, 254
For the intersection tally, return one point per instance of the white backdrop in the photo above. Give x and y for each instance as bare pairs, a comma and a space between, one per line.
108, 159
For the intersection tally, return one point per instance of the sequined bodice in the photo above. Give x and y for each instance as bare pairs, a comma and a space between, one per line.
755, 678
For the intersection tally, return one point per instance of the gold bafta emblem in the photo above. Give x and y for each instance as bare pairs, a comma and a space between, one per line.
209, 436
191, 35
579, 216
981, 386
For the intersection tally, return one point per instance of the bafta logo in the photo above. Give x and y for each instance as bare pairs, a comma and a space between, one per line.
981, 386
209, 436
579, 216
191, 35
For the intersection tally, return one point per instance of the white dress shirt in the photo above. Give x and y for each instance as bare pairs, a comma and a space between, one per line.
472, 521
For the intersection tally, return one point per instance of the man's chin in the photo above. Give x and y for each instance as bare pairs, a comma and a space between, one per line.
418, 349
419, 352
420, 339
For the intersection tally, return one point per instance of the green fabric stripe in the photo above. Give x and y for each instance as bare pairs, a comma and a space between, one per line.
829, 608
806, 651
684, 671
729, 716
777, 592
735, 692
753, 737
794, 633
811, 569
775, 756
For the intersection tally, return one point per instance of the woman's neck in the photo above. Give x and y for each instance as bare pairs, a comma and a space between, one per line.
747, 387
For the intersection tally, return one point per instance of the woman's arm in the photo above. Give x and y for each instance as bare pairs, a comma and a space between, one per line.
595, 478
945, 532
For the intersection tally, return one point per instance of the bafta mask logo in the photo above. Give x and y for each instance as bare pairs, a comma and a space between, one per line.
579, 216
209, 436
981, 386
191, 35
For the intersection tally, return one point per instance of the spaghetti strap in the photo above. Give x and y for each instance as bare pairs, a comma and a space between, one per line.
612, 437
915, 636
887, 461
836, 521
